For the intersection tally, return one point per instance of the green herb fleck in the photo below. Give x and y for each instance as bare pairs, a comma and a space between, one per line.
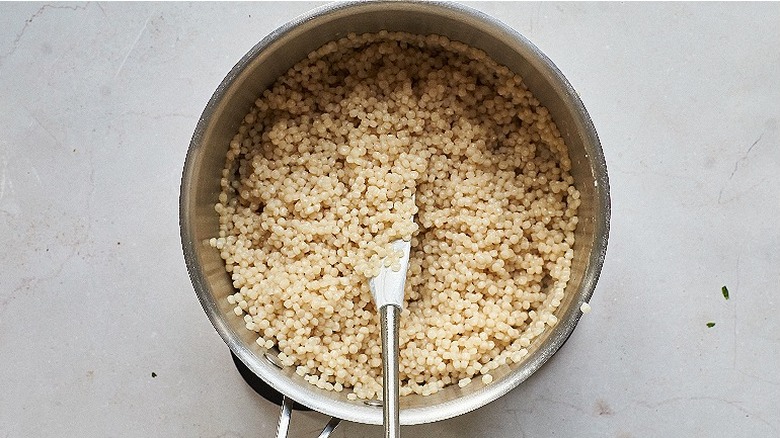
725, 292
710, 324
155, 374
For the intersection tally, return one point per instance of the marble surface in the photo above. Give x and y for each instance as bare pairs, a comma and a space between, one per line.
101, 333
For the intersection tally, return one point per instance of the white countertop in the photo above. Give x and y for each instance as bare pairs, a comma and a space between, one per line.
98, 105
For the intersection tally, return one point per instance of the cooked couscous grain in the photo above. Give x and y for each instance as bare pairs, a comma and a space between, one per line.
320, 178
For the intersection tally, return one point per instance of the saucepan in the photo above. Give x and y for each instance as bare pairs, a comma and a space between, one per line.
272, 57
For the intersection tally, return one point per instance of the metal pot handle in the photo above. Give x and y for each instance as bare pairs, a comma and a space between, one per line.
285, 414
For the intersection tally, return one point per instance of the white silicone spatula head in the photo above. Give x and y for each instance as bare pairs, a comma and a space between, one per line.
387, 289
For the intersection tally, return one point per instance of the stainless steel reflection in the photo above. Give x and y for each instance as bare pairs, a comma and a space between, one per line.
270, 58
388, 320
285, 416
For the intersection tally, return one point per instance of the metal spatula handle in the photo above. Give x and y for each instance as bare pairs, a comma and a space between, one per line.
388, 316
285, 415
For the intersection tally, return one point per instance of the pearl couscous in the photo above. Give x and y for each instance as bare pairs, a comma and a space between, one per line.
320, 179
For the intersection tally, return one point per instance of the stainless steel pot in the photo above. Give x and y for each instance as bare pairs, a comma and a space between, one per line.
269, 59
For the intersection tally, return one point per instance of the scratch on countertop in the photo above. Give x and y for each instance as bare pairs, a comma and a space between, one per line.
639, 173
135, 43
34, 172
29, 21
740, 193
517, 425
230, 434
152, 116
511, 412
564, 403
29, 284
38, 121
101, 9
745, 156
608, 411
715, 399
734, 310
535, 18
80, 239
760, 379
737, 164
3, 172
